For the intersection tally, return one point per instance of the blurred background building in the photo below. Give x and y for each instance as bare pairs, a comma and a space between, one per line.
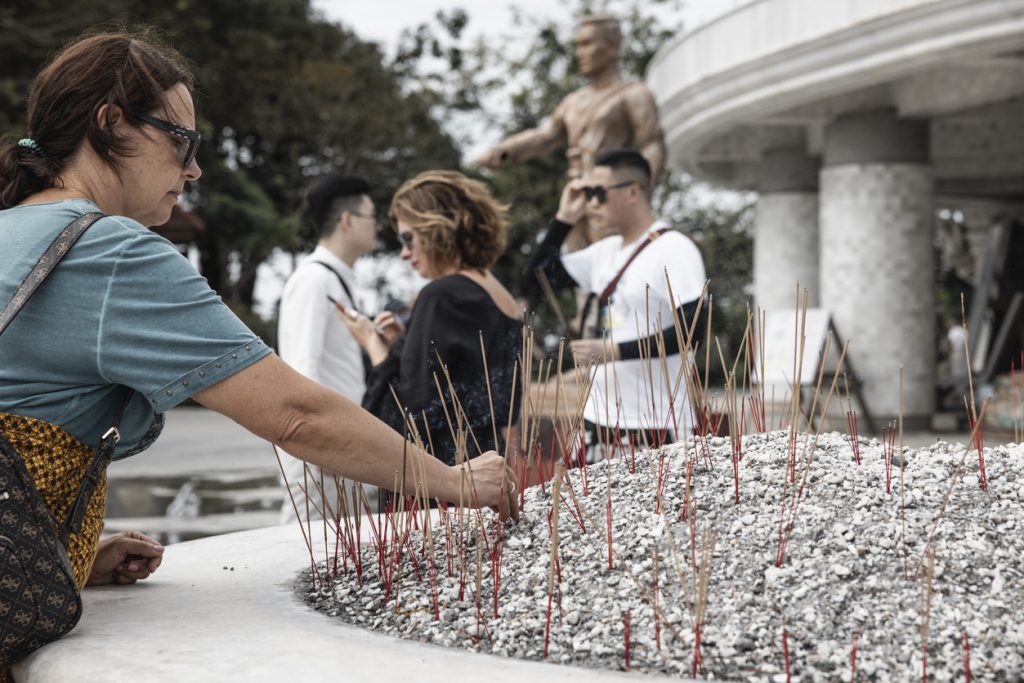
860, 124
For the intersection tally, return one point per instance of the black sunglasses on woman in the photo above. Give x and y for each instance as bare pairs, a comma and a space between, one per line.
191, 137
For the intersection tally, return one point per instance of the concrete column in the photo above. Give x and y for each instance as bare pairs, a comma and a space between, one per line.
877, 270
786, 229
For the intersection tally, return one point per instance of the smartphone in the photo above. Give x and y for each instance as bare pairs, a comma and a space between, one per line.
351, 313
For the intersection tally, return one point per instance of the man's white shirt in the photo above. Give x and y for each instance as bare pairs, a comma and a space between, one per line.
311, 337
635, 393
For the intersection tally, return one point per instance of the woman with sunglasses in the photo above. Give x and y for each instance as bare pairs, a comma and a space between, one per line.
124, 325
452, 376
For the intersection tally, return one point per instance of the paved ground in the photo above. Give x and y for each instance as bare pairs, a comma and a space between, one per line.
199, 440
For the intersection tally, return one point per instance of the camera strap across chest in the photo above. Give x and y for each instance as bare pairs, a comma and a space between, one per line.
606, 293
602, 300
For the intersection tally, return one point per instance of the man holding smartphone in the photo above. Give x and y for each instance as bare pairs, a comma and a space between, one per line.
311, 336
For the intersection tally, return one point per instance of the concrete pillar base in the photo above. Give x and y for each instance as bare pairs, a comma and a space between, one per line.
785, 249
877, 279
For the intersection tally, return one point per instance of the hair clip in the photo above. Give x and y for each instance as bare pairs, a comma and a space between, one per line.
32, 146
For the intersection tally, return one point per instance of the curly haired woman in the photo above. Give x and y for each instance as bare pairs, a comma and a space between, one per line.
453, 370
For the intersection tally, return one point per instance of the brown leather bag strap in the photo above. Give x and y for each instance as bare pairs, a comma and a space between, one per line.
606, 294
57, 250
101, 457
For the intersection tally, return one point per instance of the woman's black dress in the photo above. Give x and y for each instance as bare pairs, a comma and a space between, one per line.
448, 320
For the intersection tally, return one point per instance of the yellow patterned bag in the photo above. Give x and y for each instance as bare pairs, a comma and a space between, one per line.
57, 462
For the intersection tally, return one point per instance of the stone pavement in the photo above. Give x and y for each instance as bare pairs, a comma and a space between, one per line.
199, 440
204, 476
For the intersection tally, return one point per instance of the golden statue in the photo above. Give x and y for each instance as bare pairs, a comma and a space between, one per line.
610, 112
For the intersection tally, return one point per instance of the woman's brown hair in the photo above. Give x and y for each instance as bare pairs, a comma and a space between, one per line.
457, 219
131, 71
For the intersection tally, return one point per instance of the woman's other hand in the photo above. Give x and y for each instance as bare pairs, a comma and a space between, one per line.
389, 326
359, 326
124, 558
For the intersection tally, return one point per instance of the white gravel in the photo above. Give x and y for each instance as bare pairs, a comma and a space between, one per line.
843, 571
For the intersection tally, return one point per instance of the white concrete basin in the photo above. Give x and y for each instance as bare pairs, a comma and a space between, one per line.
194, 620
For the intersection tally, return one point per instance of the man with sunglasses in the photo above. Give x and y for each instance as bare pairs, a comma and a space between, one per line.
641, 279
310, 335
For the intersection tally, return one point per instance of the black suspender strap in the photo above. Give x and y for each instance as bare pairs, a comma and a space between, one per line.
344, 285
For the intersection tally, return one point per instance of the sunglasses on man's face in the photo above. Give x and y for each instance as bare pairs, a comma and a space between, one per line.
188, 140
600, 192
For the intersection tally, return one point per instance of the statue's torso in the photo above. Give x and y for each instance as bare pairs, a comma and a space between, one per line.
597, 120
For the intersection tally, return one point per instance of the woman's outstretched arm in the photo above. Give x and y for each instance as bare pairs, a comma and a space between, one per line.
309, 421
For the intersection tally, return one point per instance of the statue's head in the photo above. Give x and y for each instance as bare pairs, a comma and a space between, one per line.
597, 43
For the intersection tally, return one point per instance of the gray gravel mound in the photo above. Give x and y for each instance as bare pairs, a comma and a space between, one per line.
855, 567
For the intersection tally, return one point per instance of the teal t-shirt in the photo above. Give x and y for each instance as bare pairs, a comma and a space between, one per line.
124, 308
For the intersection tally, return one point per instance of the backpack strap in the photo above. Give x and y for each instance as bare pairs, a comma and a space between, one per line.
341, 280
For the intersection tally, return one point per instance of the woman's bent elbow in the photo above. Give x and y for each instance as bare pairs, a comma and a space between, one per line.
294, 431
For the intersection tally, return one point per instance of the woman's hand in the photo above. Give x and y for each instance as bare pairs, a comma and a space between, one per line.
596, 351
389, 326
494, 484
359, 326
124, 558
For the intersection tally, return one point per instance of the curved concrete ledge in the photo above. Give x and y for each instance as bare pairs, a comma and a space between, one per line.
770, 56
199, 620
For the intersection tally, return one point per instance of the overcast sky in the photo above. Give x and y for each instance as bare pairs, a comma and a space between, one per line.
384, 20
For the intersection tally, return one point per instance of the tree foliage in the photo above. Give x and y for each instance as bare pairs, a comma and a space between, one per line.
282, 95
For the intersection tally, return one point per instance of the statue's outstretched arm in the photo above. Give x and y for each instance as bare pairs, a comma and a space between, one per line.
546, 137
